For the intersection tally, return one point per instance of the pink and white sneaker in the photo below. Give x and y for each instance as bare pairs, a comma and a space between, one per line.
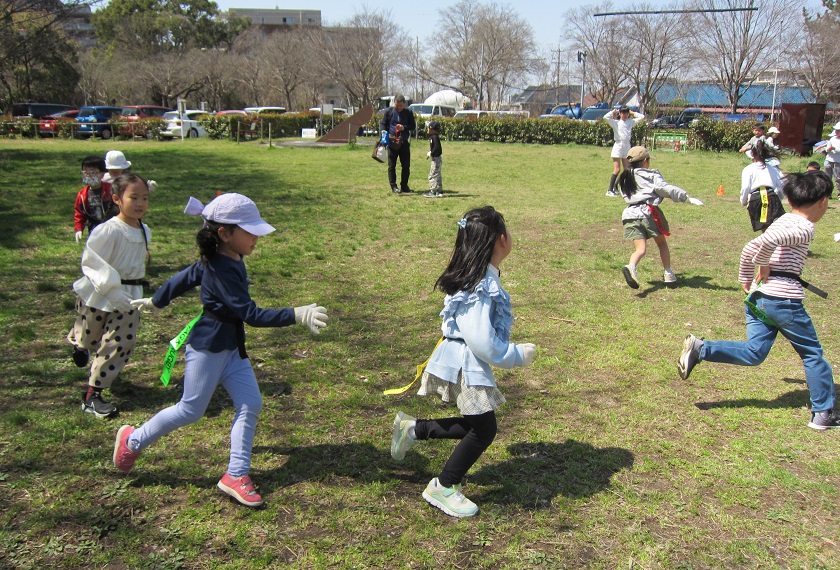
242, 489
124, 456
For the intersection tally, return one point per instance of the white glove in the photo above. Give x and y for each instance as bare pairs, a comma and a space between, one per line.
121, 300
428, 155
79, 236
152, 185
529, 351
313, 316
145, 305
695, 202
837, 237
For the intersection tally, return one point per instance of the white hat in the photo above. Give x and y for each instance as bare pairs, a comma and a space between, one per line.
836, 127
773, 131
116, 159
231, 208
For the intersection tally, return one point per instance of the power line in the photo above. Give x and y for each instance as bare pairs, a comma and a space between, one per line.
751, 8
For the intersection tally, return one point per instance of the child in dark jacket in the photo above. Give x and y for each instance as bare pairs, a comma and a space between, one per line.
434, 154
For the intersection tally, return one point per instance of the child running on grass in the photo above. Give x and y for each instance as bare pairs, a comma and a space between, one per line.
643, 190
776, 292
761, 188
476, 327
113, 264
216, 344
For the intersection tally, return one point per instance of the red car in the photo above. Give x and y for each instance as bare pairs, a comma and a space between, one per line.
136, 112
48, 126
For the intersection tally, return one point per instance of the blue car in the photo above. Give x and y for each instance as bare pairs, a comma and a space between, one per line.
93, 121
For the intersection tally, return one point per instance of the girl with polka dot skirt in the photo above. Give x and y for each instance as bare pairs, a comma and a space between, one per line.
113, 267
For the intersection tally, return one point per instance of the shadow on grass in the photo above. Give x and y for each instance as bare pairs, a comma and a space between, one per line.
695, 282
536, 474
539, 471
793, 399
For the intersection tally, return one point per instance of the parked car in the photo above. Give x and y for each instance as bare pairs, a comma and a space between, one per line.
133, 113
260, 110
665, 121
473, 114
592, 114
188, 124
93, 121
48, 126
689, 117
37, 110
562, 111
427, 111
232, 112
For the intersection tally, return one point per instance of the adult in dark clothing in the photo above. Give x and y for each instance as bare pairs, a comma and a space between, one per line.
399, 123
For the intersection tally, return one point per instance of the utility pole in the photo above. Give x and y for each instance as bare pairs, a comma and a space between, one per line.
581, 55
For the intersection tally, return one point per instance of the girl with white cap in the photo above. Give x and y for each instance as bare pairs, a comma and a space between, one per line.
832, 156
215, 352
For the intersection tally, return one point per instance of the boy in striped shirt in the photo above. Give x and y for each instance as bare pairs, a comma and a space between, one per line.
779, 256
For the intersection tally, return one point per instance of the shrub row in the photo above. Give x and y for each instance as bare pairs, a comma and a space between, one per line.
706, 134
257, 126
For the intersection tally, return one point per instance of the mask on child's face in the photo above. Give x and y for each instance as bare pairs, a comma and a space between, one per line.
92, 180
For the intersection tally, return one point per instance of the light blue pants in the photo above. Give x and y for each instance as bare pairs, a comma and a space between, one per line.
204, 372
796, 326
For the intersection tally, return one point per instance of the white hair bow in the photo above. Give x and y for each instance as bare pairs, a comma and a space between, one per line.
194, 207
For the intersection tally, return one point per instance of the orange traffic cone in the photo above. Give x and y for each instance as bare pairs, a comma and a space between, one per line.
720, 190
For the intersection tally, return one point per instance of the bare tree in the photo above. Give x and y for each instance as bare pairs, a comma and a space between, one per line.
482, 48
355, 53
656, 50
735, 46
817, 55
170, 76
605, 44
291, 63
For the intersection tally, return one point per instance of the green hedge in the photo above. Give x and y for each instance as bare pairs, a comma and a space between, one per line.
257, 126
706, 134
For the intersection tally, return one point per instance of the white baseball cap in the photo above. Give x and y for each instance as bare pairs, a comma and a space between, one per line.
773, 131
116, 159
836, 127
233, 209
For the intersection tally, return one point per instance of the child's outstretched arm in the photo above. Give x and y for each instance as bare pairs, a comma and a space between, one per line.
183, 281
480, 337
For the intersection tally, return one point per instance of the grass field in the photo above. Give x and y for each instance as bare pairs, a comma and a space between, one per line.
604, 458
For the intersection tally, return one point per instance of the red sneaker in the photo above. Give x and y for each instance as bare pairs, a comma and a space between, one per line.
124, 456
242, 489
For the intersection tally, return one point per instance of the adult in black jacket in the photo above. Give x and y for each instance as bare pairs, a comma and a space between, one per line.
399, 123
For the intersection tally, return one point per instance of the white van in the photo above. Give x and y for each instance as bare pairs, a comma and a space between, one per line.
473, 114
426, 110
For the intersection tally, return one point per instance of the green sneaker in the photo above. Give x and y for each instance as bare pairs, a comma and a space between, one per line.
401, 442
449, 499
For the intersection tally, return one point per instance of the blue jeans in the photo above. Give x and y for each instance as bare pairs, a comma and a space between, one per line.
203, 373
795, 325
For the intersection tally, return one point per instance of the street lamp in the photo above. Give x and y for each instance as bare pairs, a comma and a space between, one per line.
581, 55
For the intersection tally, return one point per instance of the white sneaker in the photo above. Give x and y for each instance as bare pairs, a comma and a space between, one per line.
401, 441
612, 194
670, 279
630, 276
449, 499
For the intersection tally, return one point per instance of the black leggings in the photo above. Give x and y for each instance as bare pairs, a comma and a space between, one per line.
476, 434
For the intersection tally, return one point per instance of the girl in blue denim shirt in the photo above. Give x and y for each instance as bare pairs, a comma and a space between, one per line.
476, 335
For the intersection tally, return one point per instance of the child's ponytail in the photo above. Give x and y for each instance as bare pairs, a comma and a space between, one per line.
208, 239
627, 179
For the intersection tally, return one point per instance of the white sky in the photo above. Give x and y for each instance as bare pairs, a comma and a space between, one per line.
420, 17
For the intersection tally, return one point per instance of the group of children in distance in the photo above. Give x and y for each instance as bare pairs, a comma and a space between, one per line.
476, 318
